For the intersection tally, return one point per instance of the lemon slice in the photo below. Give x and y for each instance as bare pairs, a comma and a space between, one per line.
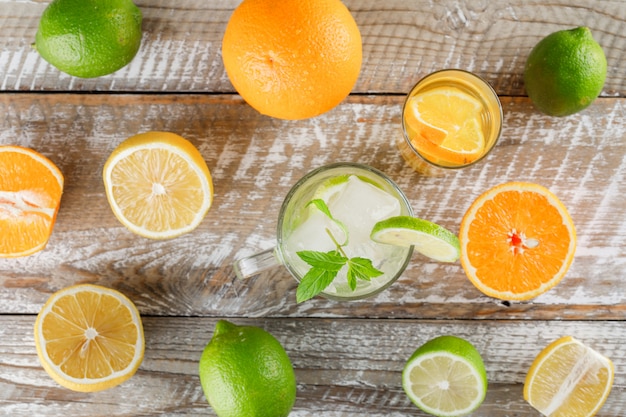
426, 237
569, 379
446, 377
445, 125
89, 338
158, 185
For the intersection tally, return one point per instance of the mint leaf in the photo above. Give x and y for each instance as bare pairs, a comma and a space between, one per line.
361, 268
321, 206
330, 261
314, 283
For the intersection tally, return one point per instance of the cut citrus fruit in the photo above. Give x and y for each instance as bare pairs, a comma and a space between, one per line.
569, 379
446, 377
89, 338
426, 237
158, 185
446, 124
30, 195
517, 241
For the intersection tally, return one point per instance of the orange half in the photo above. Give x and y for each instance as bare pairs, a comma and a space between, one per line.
30, 196
517, 241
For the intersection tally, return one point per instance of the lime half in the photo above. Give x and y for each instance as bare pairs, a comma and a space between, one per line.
428, 238
446, 377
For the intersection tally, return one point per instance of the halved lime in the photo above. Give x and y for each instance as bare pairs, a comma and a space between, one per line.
427, 237
446, 377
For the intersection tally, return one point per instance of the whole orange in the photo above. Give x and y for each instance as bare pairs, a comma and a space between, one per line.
292, 59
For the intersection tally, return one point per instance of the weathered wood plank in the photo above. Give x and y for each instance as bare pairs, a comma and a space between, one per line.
343, 367
402, 41
255, 160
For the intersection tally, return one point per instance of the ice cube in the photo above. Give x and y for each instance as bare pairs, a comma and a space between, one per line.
361, 205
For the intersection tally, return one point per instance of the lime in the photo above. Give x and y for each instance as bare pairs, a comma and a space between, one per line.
245, 372
445, 377
427, 237
331, 188
89, 38
565, 72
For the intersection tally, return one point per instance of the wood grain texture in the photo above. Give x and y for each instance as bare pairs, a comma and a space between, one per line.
343, 367
254, 161
402, 42
348, 357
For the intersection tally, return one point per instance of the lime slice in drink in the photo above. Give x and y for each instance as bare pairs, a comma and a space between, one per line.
446, 377
331, 188
428, 238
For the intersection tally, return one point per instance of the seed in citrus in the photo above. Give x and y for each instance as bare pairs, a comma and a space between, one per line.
245, 371
569, 379
517, 241
446, 377
293, 59
565, 72
89, 38
89, 338
30, 196
444, 123
158, 185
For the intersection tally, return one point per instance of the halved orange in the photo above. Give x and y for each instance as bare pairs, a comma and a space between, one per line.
517, 241
89, 338
445, 123
30, 195
569, 379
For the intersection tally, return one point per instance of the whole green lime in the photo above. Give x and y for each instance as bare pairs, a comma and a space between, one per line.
245, 372
565, 72
89, 38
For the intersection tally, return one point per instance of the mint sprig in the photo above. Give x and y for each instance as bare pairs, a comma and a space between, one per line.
326, 265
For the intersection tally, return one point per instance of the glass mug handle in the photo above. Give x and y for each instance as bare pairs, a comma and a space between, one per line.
257, 263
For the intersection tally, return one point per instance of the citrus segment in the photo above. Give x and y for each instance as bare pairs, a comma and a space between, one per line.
30, 195
446, 377
517, 241
89, 38
244, 371
428, 238
89, 338
569, 379
158, 185
294, 59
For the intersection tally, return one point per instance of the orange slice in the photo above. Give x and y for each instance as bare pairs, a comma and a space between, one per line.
30, 196
517, 241
445, 123
158, 185
89, 338
569, 379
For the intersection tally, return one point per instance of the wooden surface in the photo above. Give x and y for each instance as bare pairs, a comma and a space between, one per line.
348, 357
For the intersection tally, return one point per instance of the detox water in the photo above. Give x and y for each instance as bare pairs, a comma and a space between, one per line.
358, 201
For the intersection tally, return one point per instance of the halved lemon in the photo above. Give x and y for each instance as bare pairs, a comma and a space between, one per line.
569, 379
158, 185
89, 338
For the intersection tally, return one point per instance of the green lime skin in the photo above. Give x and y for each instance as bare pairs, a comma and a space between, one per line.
245, 372
565, 72
89, 38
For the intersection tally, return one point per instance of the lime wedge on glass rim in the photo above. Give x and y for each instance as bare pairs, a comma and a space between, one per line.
426, 237
445, 377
